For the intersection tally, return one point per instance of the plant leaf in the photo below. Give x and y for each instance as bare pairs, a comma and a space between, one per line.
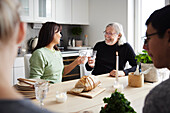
143, 57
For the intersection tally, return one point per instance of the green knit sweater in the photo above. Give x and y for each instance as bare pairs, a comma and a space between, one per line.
46, 64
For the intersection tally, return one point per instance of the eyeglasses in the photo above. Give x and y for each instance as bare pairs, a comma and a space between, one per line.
109, 34
147, 37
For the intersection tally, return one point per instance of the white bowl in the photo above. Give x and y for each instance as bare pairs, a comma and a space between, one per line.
61, 96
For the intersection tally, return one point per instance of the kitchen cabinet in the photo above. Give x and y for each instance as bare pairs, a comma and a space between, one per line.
72, 12
18, 69
27, 10
80, 13
44, 10
37, 11
63, 11
60, 11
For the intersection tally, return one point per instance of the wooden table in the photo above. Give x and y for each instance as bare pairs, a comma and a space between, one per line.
78, 104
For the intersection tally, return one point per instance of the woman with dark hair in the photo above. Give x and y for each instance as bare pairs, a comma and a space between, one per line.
46, 61
46, 34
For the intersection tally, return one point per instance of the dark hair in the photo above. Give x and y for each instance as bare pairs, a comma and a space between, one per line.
46, 34
160, 20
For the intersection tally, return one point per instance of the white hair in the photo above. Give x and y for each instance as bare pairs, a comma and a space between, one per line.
119, 29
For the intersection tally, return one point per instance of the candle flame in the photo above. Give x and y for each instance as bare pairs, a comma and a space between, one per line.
116, 53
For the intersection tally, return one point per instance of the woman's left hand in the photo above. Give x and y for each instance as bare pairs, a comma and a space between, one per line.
120, 73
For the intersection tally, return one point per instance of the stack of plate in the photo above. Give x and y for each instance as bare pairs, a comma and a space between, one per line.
27, 90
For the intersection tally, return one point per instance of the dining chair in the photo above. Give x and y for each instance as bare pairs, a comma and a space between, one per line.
27, 65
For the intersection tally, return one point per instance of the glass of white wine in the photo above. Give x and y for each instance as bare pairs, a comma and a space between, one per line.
41, 89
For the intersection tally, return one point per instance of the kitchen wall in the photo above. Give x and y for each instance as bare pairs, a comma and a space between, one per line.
103, 12
167, 2
66, 31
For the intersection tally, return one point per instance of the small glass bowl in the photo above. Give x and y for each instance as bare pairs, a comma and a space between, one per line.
61, 97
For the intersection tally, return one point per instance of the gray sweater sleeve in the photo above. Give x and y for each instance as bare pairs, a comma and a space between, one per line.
158, 99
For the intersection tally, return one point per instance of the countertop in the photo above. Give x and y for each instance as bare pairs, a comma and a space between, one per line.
64, 53
70, 53
79, 48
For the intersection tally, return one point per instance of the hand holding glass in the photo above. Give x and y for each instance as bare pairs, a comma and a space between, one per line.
41, 89
91, 61
83, 55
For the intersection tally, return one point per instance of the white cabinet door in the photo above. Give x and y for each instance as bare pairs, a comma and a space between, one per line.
60, 11
27, 10
44, 10
63, 11
80, 12
18, 69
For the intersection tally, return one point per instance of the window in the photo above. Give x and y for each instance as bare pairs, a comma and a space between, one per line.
143, 9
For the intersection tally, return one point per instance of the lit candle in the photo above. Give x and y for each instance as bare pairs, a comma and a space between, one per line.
61, 96
117, 65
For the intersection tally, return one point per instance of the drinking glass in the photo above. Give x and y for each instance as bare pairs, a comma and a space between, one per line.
93, 57
41, 89
119, 86
93, 54
83, 55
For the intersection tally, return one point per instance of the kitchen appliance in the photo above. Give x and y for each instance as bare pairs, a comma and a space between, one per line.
73, 42
75, 73
32, 43
69, 42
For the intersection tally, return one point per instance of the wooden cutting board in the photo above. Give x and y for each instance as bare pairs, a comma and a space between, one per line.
89, 94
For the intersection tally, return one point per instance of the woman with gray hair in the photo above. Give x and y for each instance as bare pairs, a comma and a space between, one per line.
105, 61
12, 32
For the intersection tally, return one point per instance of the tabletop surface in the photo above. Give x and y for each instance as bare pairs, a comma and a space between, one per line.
78, 104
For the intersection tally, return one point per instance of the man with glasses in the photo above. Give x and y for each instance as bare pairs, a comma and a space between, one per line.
105, 61
157, 45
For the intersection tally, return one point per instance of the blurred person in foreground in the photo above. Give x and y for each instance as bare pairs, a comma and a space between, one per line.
12, 32
105, 61
157, 44
46, 61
